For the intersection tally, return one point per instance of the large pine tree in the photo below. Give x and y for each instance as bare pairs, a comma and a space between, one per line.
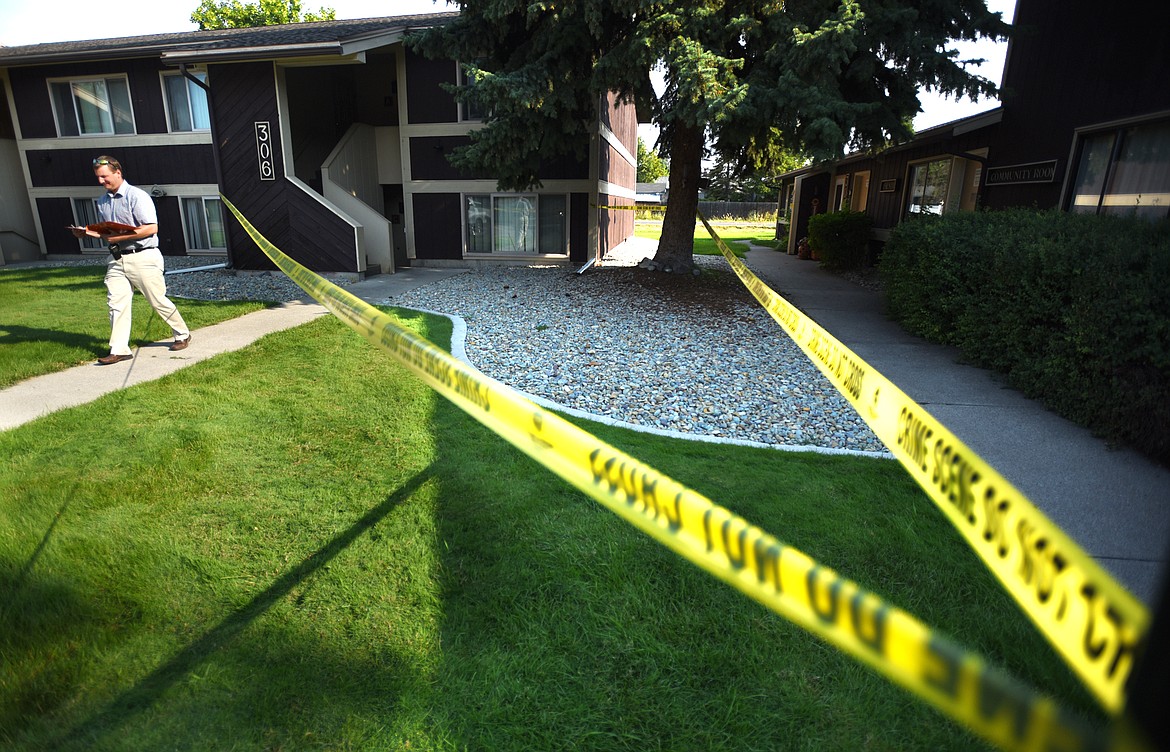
755, 79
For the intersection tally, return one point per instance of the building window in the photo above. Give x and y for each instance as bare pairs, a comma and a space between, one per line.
554, 236
1124, 171
205, 229
186, 103
859, 196
840, 193
517, 224
471, 110
928, 186
92, 106
85, 213
479, 224
514, 224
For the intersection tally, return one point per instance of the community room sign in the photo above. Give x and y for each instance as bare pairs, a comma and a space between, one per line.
1033, 172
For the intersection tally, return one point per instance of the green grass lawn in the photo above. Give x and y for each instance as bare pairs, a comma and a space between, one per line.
736, 235
299, 546
55, 318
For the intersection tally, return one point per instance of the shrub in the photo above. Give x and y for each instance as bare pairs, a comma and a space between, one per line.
840, 239
1075, 309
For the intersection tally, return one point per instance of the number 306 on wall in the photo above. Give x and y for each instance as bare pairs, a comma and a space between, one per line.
264, 150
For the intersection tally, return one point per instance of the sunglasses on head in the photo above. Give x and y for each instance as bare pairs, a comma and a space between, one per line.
99, 162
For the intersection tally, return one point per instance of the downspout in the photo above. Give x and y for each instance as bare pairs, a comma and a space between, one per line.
214, 144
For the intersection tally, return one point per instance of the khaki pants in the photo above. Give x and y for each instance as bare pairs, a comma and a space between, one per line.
143, 270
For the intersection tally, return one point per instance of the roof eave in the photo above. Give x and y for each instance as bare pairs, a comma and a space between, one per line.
811, 169
373, 40
259, 52
214, 46
939, 132
53, 58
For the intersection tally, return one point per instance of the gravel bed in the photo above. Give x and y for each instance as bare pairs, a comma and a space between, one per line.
676, 354
682, 355
220, 284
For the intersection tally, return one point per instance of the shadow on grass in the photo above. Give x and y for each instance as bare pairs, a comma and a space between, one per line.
41, 619
566, 628
83, 464
18, 582
139, 699
11, 336
63, 278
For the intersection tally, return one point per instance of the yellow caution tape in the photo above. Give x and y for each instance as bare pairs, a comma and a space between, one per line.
1093, 621
956, 681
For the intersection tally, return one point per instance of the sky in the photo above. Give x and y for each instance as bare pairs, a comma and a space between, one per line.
37, 21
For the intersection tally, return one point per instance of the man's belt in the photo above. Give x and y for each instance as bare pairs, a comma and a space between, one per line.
118, 252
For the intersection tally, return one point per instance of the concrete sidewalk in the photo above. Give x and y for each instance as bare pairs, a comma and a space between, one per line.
1114, 502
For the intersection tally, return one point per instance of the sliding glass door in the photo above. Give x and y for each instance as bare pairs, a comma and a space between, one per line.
516, 224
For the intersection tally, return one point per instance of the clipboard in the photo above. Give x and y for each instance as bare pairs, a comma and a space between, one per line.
110, 228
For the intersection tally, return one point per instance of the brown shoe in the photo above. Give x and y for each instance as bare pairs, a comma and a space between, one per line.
180, 344
111, 359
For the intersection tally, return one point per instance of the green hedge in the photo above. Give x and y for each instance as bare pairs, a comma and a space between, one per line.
1075, 309
840, 239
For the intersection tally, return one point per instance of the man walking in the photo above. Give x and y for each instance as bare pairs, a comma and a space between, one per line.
136, 260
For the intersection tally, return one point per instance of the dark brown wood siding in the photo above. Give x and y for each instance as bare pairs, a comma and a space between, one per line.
622, 119
883, 207
615, 168
567, 167
615, 224
56, 214
426, 101
143, 166
1066, 72
438, 226
377, 90
170, 226
7, 129
242, 95
428, 159
579, 227
35, 110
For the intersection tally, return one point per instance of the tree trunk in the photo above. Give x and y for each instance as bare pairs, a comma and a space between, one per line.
676, 247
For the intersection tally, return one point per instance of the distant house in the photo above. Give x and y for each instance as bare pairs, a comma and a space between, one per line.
652, 194
1077, 130
331, 137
